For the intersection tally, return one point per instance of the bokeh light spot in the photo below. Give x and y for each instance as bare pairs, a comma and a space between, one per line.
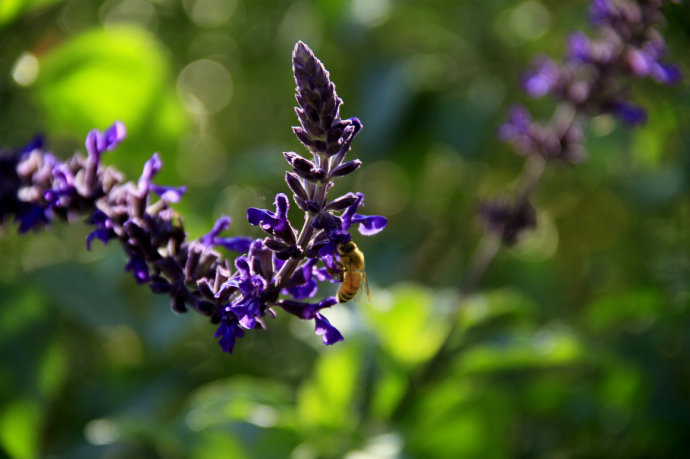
204, 86
101, 432
371, 12
209, 13
25, 69
131, 11
527, 21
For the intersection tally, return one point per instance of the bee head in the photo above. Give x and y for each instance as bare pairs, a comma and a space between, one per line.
344, 248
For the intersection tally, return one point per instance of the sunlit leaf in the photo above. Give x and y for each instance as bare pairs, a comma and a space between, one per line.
410, 323
458, 419
327, 403
389, 386
550, 346
218, 445
19, 429
261, 402
11, 9
101, 76
485, 307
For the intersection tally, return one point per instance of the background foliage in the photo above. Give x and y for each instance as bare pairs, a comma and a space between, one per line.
577, 345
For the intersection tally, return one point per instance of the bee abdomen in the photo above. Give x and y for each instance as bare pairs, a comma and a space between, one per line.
344, 297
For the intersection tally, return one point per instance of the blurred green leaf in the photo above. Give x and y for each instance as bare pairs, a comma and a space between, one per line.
530, 348
74, 288
19, 429
52, 370
390, 385
459, 419
485, 307
410, 322
19, 310
218, 445
100, 76
11, 9
261, 402
327, 403
636, 308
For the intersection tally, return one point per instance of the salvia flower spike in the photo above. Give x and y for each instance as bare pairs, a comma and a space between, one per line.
281, 270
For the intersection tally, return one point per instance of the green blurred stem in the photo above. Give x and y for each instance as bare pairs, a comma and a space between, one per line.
485, 253
483, 256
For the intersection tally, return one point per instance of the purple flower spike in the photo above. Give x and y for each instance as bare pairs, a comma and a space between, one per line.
592, 79
279, 270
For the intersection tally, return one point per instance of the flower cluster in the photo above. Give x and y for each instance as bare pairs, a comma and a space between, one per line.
589, 81
286, 261
36, 188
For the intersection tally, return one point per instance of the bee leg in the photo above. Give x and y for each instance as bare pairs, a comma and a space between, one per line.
338, 276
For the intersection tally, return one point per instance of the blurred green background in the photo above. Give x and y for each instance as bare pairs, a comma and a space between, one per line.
577, 345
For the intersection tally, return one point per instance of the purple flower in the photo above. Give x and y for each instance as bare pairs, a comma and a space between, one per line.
631, 114
579, 47
308, 311
646, 62
507, 217
329, 334
337, 229
236, 244
248, 307
276, 224
542, 79
140, 270
104, 228
98, 142
228, 331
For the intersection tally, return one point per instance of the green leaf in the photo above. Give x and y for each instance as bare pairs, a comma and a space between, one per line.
410, 322
484, 308
635, 308
260, 402
523, 349
459, 419
100, 76
19, 429
11, 9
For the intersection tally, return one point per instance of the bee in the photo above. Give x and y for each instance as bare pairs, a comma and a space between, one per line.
351, 275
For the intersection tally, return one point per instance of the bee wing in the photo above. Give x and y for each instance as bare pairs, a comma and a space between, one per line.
366, 285
362, 288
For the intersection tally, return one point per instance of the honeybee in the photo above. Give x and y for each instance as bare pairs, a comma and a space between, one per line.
351, 274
